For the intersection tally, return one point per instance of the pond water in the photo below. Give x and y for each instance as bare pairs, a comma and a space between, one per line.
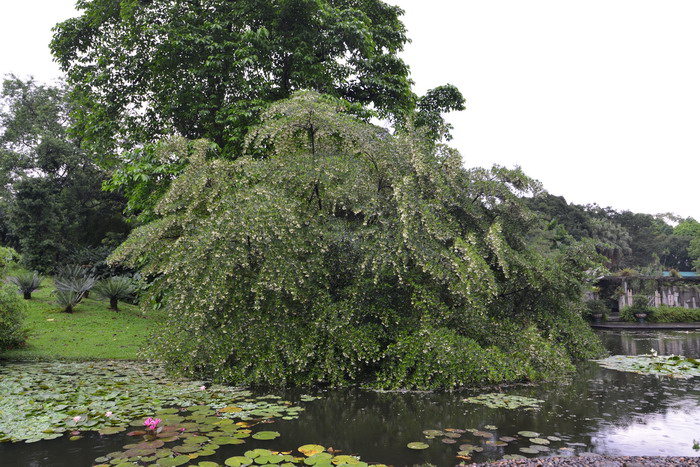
602, 411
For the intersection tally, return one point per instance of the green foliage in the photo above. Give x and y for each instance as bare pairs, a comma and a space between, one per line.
640, 305
114, 289
68, 297
12, 315
346, 249
689, 229
72, 284
26, 282
665, 314
8, 256
596, 307
50, 191
627, 239
143, 70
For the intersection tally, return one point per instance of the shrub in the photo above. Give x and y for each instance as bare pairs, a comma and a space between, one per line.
593, 307
12, 313
639, 306
67, 298
114, 289
78, 283
7, 256
674, 314
27, 283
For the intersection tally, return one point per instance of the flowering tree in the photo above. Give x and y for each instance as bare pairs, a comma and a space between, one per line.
335, 252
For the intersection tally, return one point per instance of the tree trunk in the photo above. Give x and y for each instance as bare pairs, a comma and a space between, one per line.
27, 295
113, 304
69, 309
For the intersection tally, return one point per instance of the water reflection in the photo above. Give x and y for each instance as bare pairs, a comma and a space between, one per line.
665, 343
602, 411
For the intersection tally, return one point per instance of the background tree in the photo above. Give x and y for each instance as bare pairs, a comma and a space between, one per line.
688, 230
350, 255
52, 191
627, 239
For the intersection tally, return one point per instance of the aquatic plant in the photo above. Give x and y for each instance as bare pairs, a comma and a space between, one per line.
498, 400
674, 366
41, 401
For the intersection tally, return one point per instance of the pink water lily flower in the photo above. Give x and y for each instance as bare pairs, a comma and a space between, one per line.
76, 418
108, 414
202, 388
152, 423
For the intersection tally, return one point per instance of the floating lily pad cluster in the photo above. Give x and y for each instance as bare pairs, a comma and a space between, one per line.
674, 366
525, 442
40, 401
193, 448
498, 400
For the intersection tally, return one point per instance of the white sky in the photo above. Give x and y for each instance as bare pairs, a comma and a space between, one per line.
598, 99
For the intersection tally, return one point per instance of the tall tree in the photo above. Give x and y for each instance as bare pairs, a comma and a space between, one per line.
52, 192
206, 68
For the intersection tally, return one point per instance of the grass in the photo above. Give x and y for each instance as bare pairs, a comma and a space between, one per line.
92, 332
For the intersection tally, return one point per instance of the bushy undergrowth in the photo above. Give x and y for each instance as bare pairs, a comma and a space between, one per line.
336, 253
12, 314
664, 314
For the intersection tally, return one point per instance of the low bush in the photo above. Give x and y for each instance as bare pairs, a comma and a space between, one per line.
7, 257
27, 283
12, 313
661, 314
627, 313
595, 307
114, 289
675, 314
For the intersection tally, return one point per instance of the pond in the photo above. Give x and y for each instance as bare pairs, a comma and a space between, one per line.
602, 411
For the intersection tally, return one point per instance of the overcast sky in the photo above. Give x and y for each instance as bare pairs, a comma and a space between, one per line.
597, 99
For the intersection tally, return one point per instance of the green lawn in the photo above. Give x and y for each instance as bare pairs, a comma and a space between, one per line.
92, 332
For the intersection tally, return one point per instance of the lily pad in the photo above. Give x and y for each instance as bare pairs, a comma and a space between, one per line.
539, 441
346, 460
318, 459
673, 366
529, 434
266, 435
529, 450
311, 449
173, 461
433, 433
417, 445
222, 440
498, 400
111, 430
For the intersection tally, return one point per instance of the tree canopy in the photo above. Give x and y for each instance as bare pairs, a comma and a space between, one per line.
627, 239
352, 255
207, 68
